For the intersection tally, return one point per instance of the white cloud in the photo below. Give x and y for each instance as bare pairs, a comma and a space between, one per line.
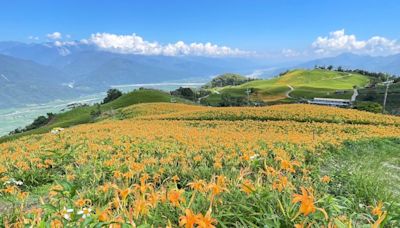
339, 42
287, 52
33, 37
134, 44
54, 35
58, 43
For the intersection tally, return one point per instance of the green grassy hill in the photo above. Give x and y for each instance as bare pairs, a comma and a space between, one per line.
82, 115
305, 84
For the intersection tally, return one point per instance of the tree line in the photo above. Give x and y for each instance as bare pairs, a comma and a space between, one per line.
377, 76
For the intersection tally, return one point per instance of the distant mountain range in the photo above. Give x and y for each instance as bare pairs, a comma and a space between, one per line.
387, 64
40, 72
26, 82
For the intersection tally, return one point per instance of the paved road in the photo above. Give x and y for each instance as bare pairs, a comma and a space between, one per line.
355, 94
288, 92
201, 98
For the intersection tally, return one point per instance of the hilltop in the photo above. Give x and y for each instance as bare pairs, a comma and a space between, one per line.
81, 115
296, 84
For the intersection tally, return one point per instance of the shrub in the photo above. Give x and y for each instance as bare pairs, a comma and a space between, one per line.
368, 106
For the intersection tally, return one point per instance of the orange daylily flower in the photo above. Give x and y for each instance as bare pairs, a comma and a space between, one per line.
189, 219
197, 185
176, 197
307, 201
377, 210
124, 193
325, 179
206, 221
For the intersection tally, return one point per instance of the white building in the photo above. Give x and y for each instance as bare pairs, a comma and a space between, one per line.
331, 102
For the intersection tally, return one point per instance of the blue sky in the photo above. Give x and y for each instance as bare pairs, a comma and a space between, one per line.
256, 26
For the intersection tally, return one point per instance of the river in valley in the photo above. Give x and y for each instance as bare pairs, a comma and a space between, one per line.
13, 118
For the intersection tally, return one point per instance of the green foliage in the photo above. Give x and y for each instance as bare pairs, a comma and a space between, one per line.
365, 172
229, 100
96, 112
112, 94
227, 79
37, 123
376, 94
187, 93
368, 106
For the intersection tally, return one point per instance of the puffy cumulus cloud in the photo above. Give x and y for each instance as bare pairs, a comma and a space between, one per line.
338, 42
134, 44
54, 35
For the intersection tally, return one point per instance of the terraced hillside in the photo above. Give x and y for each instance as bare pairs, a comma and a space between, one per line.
169, 165
296, 84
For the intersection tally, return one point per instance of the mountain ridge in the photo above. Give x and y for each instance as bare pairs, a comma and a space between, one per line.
87, 69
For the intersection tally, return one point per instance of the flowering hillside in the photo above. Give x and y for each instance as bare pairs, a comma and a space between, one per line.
172, 165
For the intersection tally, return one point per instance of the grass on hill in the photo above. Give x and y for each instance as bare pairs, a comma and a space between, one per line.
366, 170
82, 115
306, 83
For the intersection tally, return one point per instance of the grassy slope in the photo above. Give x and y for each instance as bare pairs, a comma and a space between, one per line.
307, 84
82, 115
366, 170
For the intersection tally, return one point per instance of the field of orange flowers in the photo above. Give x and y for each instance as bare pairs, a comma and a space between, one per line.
170, 165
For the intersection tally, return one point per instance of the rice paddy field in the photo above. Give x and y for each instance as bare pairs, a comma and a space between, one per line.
179, 165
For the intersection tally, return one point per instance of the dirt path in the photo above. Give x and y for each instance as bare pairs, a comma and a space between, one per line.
288, 92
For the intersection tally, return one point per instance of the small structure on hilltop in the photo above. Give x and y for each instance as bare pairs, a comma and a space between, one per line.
331, 102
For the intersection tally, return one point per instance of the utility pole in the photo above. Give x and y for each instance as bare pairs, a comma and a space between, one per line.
387, 83
248, 91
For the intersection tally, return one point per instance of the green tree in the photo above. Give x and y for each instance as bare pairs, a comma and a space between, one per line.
187, 93
228, 79
112, 94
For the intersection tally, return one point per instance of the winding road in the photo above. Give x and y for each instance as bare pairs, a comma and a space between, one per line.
288, 92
